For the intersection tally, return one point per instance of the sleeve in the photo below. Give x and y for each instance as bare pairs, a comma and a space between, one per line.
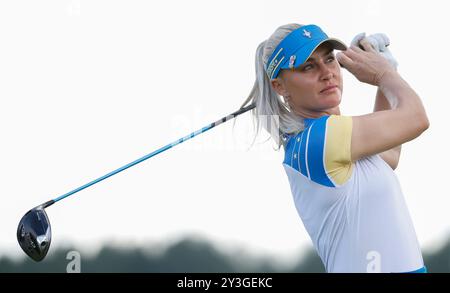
322, 151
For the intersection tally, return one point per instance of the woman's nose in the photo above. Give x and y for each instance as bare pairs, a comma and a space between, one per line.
325, 72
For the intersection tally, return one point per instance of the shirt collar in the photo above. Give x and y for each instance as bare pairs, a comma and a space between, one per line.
308, 121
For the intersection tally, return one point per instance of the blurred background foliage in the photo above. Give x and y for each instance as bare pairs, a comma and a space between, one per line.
188, 255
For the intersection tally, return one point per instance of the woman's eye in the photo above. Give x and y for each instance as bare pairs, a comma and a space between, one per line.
331, 59
307, 67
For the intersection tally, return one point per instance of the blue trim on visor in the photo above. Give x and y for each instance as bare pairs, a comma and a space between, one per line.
295, 49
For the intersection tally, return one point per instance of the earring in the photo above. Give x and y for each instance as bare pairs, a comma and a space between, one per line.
287, 102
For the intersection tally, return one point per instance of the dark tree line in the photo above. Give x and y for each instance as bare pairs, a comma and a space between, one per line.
187, 255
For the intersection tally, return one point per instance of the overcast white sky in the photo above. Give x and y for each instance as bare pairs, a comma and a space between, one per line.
89, 86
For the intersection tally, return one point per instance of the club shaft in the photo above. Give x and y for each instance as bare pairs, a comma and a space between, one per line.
154, 153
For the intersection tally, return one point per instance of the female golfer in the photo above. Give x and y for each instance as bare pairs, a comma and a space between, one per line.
340, 168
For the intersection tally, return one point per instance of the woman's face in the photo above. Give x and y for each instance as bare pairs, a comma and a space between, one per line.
314, 88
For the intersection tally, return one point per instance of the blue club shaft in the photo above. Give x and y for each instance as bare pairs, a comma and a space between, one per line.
154, 153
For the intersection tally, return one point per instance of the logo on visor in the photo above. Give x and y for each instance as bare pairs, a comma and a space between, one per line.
274, 64
292, 61
307, 33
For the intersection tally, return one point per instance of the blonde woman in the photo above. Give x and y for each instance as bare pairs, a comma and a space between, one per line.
340, 168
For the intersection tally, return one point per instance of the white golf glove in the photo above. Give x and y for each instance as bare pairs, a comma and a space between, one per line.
380, 43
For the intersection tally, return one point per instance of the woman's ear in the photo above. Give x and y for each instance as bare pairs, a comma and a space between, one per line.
278, 86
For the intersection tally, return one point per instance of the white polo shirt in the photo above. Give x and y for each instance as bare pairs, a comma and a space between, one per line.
354, 212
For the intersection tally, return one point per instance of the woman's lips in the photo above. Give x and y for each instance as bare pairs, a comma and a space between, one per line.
329, 89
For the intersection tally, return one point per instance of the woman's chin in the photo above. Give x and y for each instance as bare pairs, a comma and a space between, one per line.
333, 100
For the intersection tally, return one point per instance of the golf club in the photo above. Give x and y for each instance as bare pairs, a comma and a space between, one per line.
34, 232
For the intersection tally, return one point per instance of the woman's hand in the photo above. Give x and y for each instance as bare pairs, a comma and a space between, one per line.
380, 42
366, 65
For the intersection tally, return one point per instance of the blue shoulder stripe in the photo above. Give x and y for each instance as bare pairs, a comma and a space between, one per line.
294, 152
315, 153
302, 152
288, 150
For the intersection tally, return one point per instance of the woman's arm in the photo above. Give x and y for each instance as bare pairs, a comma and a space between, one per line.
392, 156
380, 131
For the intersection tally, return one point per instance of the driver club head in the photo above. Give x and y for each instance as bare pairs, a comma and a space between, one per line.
34, 233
